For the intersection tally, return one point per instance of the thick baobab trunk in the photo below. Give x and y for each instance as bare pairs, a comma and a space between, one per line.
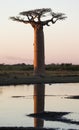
39, 59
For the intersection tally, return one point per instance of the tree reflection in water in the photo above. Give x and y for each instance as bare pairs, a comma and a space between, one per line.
39, 92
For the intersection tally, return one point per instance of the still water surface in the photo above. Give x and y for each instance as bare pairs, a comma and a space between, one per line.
16, 102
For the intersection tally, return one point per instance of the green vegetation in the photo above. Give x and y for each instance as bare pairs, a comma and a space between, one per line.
23, 70
49, 67
24, 74
66, 67
16, 67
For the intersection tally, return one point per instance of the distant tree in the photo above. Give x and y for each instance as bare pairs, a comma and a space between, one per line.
39, 18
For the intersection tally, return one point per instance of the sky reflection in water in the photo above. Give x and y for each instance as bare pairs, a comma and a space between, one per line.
18, 101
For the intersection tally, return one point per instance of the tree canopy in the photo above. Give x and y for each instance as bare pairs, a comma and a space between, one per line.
42, 16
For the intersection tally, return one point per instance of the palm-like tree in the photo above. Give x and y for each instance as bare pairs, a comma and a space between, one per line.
39, 18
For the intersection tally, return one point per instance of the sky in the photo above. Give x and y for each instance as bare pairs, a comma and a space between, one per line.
61, 38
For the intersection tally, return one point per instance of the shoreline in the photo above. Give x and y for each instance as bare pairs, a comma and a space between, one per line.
25, 128
38, 80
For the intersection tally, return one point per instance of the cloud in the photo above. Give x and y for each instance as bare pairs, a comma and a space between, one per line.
14, 60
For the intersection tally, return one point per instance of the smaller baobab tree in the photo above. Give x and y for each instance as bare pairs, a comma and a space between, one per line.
38, 18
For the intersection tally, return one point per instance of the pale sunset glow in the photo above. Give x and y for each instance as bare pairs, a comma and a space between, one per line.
61, 39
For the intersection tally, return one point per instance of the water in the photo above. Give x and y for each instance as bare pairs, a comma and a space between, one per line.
16, 102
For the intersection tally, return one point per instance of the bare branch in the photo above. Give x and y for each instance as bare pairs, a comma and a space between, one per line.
38, 13
37, 17
59, 16
18, 19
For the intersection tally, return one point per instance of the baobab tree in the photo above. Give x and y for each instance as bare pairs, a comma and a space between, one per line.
38, 18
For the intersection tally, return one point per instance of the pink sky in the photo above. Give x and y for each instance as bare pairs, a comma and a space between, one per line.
61, 39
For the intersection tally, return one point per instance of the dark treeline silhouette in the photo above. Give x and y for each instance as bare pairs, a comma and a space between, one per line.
63, 66
48, 67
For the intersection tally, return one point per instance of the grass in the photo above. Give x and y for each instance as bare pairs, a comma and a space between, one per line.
24, 74
27, 77
62, 73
